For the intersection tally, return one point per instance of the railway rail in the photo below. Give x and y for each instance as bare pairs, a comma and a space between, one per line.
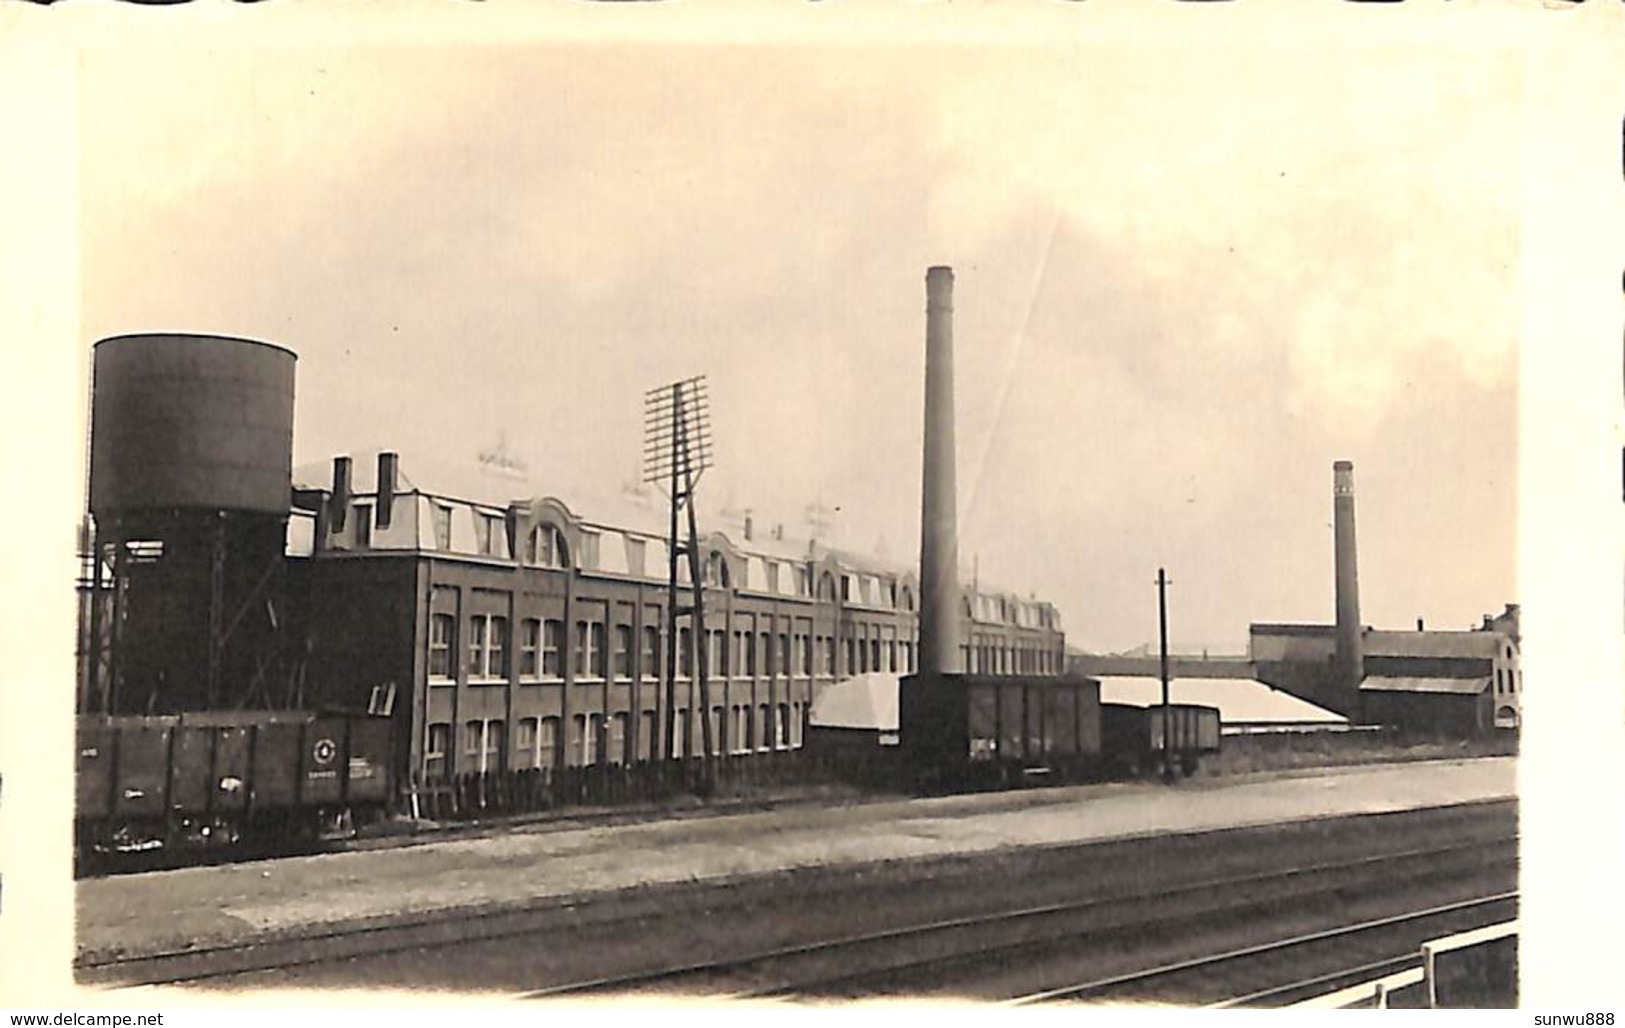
1093, 896
928, 956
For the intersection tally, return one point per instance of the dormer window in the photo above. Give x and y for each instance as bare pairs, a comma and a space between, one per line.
487, 533
716, 570
636, 556
442, 526
588, 554
546, 548
826, 586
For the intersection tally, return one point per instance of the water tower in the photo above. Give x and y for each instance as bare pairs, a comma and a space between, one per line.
191, 452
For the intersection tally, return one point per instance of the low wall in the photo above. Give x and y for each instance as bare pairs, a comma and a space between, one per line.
1239, 754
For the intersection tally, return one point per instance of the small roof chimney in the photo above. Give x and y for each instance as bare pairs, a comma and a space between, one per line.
340, 500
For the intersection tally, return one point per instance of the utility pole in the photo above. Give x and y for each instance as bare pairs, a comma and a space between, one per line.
1167, 725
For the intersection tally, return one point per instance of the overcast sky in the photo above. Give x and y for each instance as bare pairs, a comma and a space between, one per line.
1188, 280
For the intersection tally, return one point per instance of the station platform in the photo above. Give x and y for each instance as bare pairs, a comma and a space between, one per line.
160, 911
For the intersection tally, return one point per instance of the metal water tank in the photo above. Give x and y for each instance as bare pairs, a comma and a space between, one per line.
191, 421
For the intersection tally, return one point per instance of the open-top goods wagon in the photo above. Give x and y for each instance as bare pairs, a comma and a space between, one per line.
219, 778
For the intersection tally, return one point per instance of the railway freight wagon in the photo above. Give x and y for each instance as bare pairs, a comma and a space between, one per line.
223, 778
994, 731
1133, 738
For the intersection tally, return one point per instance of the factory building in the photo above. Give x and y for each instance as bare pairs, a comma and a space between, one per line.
521, 631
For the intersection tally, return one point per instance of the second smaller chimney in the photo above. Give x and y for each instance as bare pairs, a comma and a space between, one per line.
1350, 642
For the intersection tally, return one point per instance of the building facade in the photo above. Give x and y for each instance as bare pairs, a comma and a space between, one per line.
521, 633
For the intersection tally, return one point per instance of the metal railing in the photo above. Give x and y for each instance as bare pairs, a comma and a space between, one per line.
1476, 946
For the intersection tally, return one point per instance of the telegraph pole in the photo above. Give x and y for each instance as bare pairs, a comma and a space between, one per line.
1167, 726
676, 451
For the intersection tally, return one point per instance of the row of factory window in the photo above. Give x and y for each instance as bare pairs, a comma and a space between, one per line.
598, 651
537, 741
996, 658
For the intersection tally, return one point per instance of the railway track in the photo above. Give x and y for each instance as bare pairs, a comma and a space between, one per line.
1093, 896
954, 952
1269, 974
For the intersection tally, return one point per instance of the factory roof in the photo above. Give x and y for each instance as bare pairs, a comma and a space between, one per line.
495, 480
1283, 628
1240, 700
1379, 642
1454, 686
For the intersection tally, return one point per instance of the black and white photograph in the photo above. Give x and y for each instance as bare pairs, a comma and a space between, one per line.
1013, 509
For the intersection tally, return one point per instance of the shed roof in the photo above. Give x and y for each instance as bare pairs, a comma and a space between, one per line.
866, 701
1240, 700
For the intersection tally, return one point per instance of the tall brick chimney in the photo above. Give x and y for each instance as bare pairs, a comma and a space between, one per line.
1350, 645
939, 530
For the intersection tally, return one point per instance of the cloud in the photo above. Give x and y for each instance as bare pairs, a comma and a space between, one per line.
1184, 287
